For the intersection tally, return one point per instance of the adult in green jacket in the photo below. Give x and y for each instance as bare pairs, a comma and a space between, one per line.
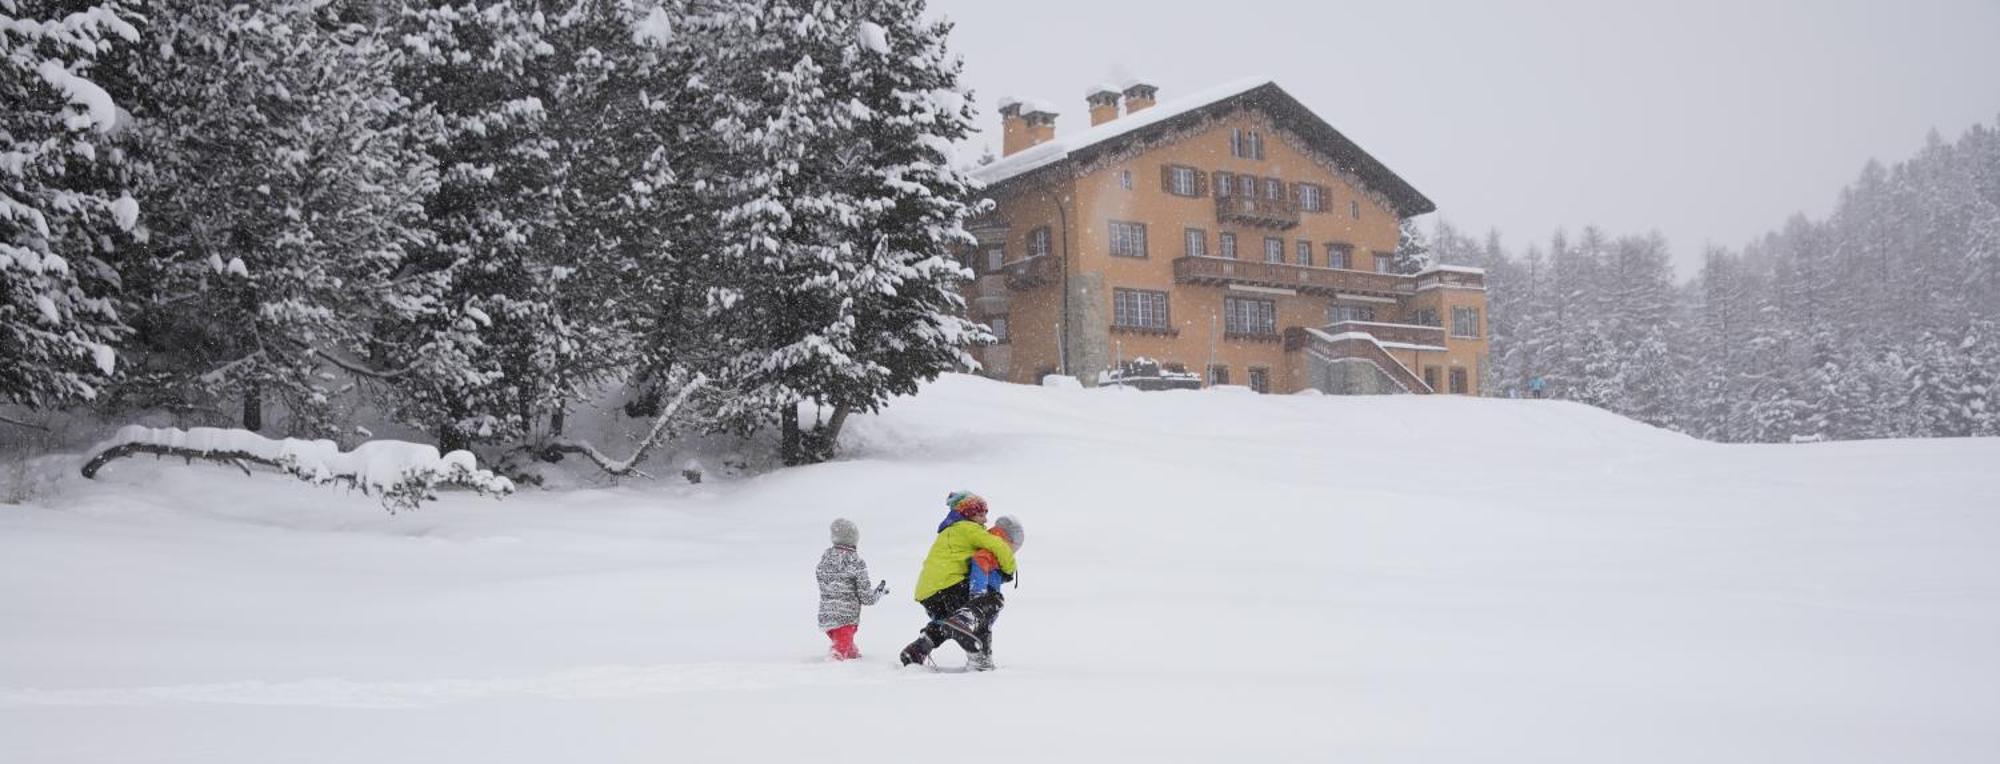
941, 585
958, 537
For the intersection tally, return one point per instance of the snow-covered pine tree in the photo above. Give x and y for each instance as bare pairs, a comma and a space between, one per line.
846, 213
1413, 253
64, 209
911, 203
284, 184
558, 190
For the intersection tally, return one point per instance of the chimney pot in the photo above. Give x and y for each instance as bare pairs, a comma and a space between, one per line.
1025, 125
1103, 100
1139, 96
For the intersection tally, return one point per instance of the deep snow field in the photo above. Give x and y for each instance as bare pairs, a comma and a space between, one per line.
1208, 576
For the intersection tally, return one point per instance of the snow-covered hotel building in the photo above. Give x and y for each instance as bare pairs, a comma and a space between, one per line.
1232, 234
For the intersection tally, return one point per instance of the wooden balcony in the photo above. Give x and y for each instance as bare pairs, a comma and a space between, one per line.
1257, 211
1028, 273
1408, 334
1304, 279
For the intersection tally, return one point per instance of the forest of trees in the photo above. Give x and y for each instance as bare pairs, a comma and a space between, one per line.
1882, 320
471, 216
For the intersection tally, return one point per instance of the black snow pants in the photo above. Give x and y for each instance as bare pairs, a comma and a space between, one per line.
950, 600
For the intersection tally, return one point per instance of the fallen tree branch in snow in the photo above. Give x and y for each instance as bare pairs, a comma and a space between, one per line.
630, 465
403, 475
19, 423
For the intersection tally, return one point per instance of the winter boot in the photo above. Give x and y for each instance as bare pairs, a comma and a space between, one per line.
979, 661
965, 623
918, 651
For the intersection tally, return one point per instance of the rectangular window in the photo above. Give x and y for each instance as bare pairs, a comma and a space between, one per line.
1256, 144
1425, 317
1274, 189
1431, 377
1459, 384
1218, 375
996, 258
1338, 313
1236, 141
1125, 179
1139, 309
1383, 261
1309, 197
999, 326
1243, 315
1246, 186
1274, 249
1305, 252
1354, 208
1038, 242
1197, 242
1260, 379
1181, 181
1337, 255
1465, 322
1228, 245
1128, 239
1225, 183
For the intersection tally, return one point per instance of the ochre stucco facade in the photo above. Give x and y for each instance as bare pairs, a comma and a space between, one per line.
1058, 300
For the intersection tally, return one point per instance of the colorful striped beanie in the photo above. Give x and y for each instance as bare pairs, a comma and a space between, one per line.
965, 503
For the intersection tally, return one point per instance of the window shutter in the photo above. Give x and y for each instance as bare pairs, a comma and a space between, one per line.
1200, 184
1236, 141
1167, 178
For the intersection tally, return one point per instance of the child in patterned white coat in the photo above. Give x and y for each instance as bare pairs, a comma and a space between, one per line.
843, 589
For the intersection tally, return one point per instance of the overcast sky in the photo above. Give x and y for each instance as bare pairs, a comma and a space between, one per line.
1708, 121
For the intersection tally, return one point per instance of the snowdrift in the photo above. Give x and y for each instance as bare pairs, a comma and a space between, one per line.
1215, 575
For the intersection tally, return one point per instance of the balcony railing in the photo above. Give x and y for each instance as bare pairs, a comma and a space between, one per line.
1305, 279
1408, 334
1256, 211
1028, 273
1452, 278
1360, 348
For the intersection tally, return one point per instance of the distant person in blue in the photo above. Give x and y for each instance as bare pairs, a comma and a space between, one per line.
1535, 386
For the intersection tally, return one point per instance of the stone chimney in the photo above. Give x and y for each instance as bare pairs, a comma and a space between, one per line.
1139, 96
1025, 124
1103, 101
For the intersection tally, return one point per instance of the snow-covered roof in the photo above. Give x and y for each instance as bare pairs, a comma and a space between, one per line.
1037, 105
1037, 157
1265, 94
1101, 87
1133, 82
